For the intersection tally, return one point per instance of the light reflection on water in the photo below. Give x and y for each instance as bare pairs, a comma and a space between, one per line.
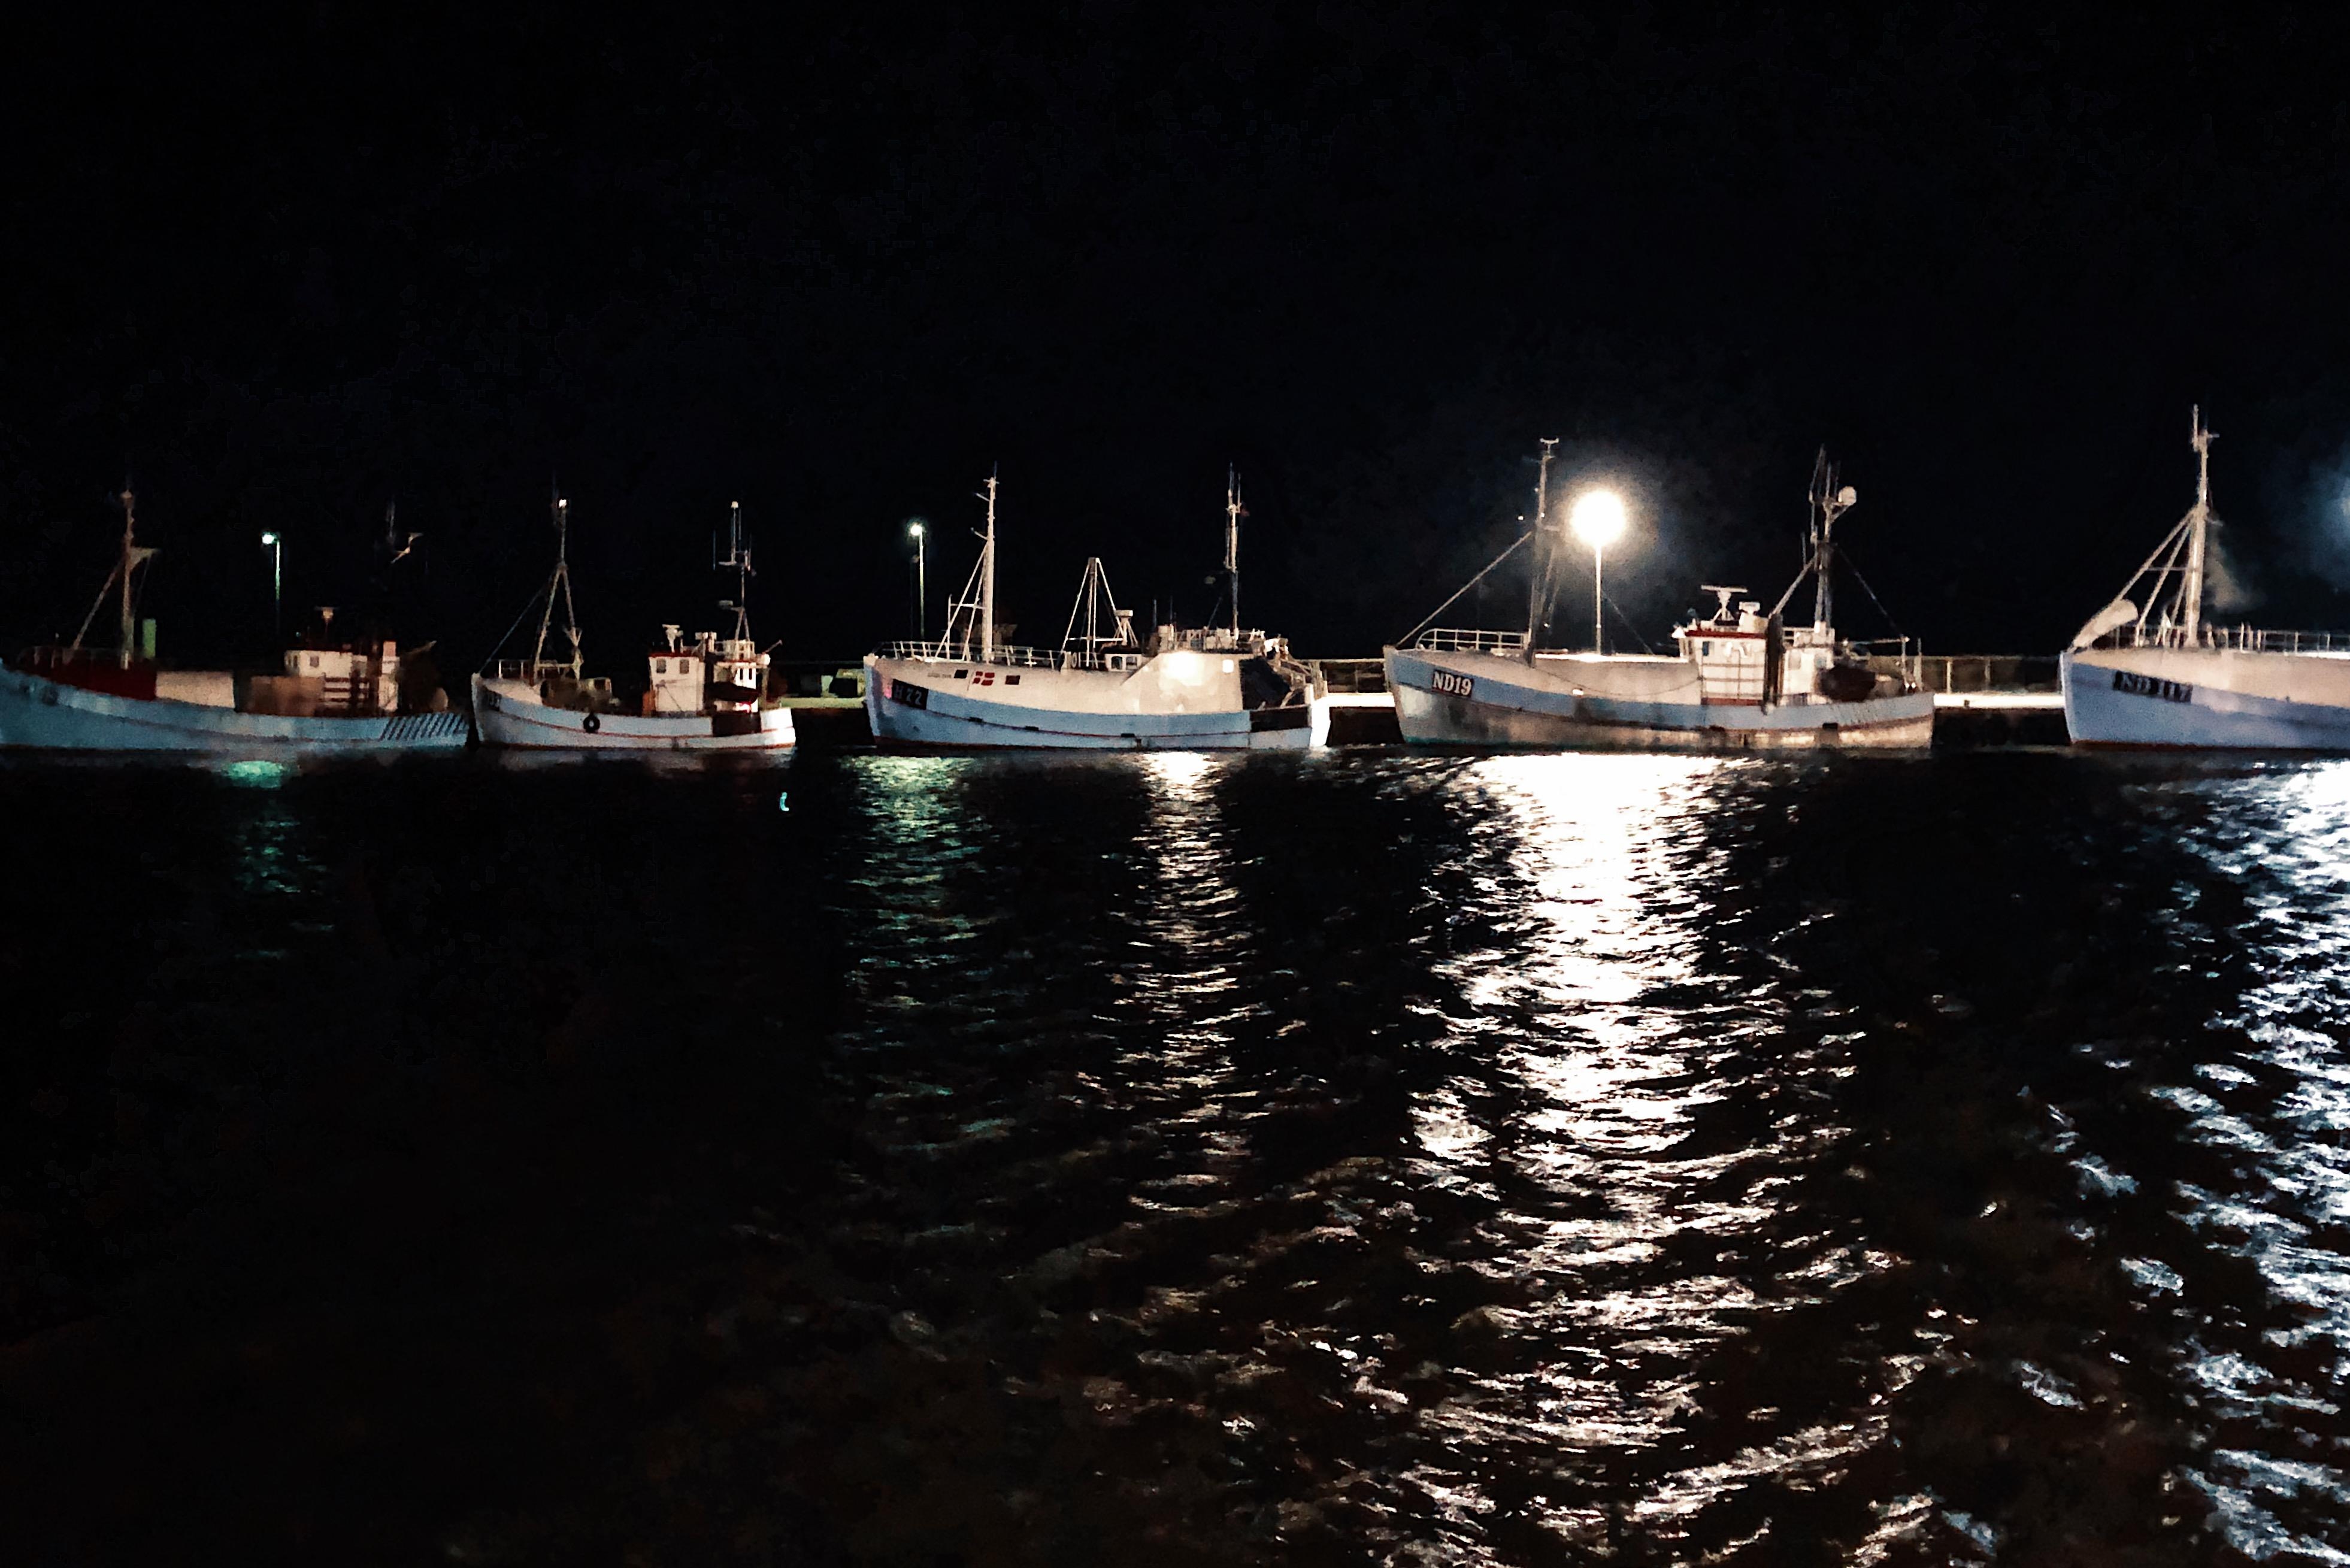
1401, 1158
2269, 1099
1504, 1299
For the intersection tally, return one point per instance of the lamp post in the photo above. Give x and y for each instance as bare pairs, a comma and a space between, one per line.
921, 535
277, 548
1597, 519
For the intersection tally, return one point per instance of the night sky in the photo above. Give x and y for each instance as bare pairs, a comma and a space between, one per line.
838, 268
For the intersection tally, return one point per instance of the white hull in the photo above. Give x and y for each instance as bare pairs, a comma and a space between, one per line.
1581, 703
1179, 702
2206, 699
509, 713
40, 714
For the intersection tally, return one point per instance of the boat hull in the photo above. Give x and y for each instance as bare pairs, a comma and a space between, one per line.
509, 713
911, 705
2204, 699
1496, 701
40, 714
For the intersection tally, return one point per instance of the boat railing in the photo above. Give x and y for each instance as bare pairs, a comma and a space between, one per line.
959, 652
1118, 660
2238, 638
49, 656
530, 673
1453, 639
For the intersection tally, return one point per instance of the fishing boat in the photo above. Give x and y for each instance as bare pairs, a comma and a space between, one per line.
708, 694
1213, 688
1740, 678
2162, 675
348, 695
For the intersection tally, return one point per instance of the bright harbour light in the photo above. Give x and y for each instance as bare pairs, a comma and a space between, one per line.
269, 538
914, 530
1597, 517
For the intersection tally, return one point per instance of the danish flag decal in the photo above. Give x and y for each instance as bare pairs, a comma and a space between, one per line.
983, 678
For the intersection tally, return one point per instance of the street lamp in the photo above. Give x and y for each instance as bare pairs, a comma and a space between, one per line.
277, 548
915, 531
1597, 519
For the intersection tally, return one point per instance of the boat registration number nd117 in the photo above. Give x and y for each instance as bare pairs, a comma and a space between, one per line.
2152, 686
1448, 684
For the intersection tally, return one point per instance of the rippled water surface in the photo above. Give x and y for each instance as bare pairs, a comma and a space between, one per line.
1364, 1158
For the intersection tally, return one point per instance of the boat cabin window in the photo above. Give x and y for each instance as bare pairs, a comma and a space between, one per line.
960, 673
1705, 650
314, 661
1011, 681
660, 667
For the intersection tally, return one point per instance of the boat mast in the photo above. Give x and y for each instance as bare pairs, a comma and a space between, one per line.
561, 578
1233, 513
130, 559
1538, 564
738, 558
2199, 522
1832, 501
987, 582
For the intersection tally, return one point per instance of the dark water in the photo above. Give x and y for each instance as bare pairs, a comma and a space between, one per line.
1357, 1158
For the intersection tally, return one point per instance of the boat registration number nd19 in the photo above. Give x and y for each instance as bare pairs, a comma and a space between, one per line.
2152, 686
1448, 684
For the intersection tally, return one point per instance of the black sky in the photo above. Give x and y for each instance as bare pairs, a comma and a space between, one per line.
837, 268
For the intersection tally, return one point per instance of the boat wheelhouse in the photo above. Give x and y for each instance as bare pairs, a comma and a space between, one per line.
1216, 688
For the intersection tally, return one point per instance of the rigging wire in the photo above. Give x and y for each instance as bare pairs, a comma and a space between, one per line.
1850, 566
1625, 622
528, 605
1464, 587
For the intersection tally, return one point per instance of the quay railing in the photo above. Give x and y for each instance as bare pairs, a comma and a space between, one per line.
1352, 677
1962, 672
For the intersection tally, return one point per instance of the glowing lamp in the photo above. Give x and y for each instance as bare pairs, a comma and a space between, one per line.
1597, 518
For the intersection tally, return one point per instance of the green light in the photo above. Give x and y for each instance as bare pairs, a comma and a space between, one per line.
254, 774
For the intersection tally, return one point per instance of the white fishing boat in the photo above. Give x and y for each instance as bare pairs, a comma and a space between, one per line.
708, 694
1206, 689
330, 696
1740, 678
2164, 676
